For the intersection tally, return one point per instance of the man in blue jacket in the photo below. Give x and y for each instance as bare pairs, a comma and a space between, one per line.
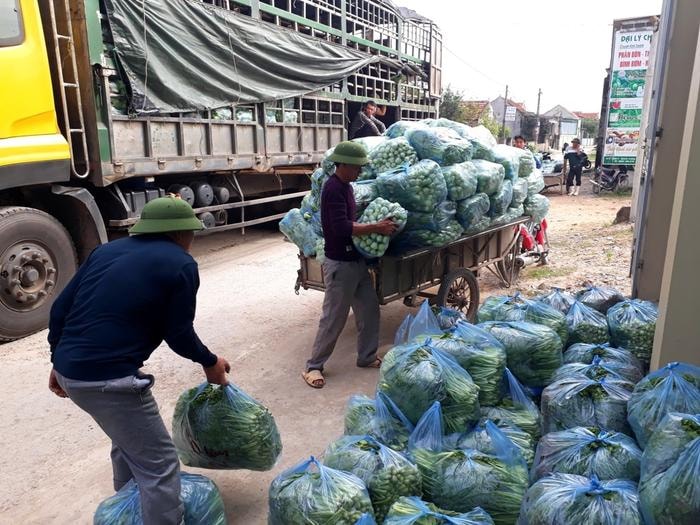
125, 300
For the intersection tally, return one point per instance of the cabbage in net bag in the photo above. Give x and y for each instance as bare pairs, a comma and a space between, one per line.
534, 351
437, 220
427, 238
535, 183
490, 176
414, 511
520, 193
376, 244
527, 163
669, 490
387, 475
392, 154
587, 451
219, 427
313, 494
600, 368
461, 180
379, 418
460, 480
500, 202
442, 145
579, 401
509, 158
570, 499
479, 353
482, 140
199, 495
558, 299
673, 388
299, 231
515, 408
537, 207
586, 325
399, 129
470, 211
364, 192
480, 226
600, 298
632, 326
415, 376
509, 216
420, 187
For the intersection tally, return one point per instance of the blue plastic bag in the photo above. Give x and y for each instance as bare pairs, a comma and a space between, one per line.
420, 187
313, 494
669, 490
509, 158
500, 202
442, 145
414, 376
633, 325
414, 511
569, 499
472, 210
515, 408
300, 232
578, 401
587, 451
424, 323
461, 180
460, 480
558, 299
673, 388
201, 497
586, 353
448, 318
600, 298
366, 519
600, 368
586, 325
490, 176
436, 220
379, 418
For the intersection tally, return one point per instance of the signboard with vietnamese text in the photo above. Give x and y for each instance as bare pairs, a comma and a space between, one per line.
630, 61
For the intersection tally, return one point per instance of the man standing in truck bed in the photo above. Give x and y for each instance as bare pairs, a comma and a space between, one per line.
365, 124
345, 274
129, 296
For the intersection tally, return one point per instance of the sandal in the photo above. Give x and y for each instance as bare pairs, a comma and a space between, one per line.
377, 363
314, 378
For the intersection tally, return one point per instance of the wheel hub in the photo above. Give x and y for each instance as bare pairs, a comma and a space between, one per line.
27, 276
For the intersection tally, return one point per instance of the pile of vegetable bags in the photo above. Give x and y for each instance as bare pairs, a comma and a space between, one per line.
438, 179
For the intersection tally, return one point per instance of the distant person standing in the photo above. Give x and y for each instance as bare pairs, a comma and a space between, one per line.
576, 158
365, 124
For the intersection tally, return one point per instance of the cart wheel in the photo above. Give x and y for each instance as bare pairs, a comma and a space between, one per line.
509, 267
460, 291
410, 301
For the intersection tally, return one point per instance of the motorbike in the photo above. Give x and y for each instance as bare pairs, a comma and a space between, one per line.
609, 179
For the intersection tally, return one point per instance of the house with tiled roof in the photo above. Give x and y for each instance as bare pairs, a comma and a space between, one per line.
475, 111
586, 116
514, 127
564, 126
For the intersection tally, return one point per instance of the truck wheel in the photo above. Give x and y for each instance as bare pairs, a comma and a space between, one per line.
459, 290
37, 259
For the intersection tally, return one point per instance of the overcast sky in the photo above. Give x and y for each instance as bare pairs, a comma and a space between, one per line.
560, 46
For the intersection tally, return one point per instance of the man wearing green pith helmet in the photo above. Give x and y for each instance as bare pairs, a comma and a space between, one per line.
345, 274
125, 300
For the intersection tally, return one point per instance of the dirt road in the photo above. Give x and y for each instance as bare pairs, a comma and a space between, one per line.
55, 461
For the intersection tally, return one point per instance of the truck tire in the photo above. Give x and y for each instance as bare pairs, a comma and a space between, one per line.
37, 259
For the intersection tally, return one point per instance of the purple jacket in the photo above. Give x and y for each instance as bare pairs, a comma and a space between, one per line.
337, 216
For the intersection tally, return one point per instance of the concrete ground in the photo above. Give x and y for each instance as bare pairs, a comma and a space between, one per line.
54, 461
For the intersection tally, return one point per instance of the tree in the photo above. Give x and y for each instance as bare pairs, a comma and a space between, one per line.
494, 127
589, 127
451, 105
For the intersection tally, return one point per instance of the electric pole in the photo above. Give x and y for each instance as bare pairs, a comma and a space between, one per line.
505, 110
537, 127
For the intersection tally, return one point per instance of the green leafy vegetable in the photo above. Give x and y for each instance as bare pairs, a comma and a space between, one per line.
632, 326
586, 325
375, 244
414, 511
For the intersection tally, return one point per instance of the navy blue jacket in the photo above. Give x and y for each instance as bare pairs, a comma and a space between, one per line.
129, 296
338, 210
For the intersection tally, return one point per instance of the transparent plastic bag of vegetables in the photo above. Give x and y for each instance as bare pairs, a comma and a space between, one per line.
326, 164
200, 496
366, 519
448, 318
460, 480
371, 142
479, 438
482, 140
600, 298
415, 511
461, 180
527, 163
519, 193
586, 325
379, 418
299, 231
479, 353
479, 226
318, 179
470, 211
364, 192
586, 353
392, 154
578, 401
420, 187
409, 240
313, 494
509, 216
442, 145
588, 451
490, 176
535, 182
558, 299
632, 326
509, 158
669, 490
387, 475
534, 351
376, 244
500, 202
435, 221
537, 207
422, 325
600, 368
414, 376
399, 129
570, 499
219, 427
673, 388
515, 408
518, 308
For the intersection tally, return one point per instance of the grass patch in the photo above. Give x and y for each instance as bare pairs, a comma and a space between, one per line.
546, 272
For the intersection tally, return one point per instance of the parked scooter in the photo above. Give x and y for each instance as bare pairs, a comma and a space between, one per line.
609, 179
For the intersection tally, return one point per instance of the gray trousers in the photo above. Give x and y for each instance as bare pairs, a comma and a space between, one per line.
348, 285
141, 447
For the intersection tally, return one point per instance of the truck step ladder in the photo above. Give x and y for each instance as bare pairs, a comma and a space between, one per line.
67, 67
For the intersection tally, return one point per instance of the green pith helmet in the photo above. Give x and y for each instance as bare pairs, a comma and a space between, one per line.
166, 214
349, 153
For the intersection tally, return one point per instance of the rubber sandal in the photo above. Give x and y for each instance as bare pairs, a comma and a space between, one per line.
312, 378
377, 363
